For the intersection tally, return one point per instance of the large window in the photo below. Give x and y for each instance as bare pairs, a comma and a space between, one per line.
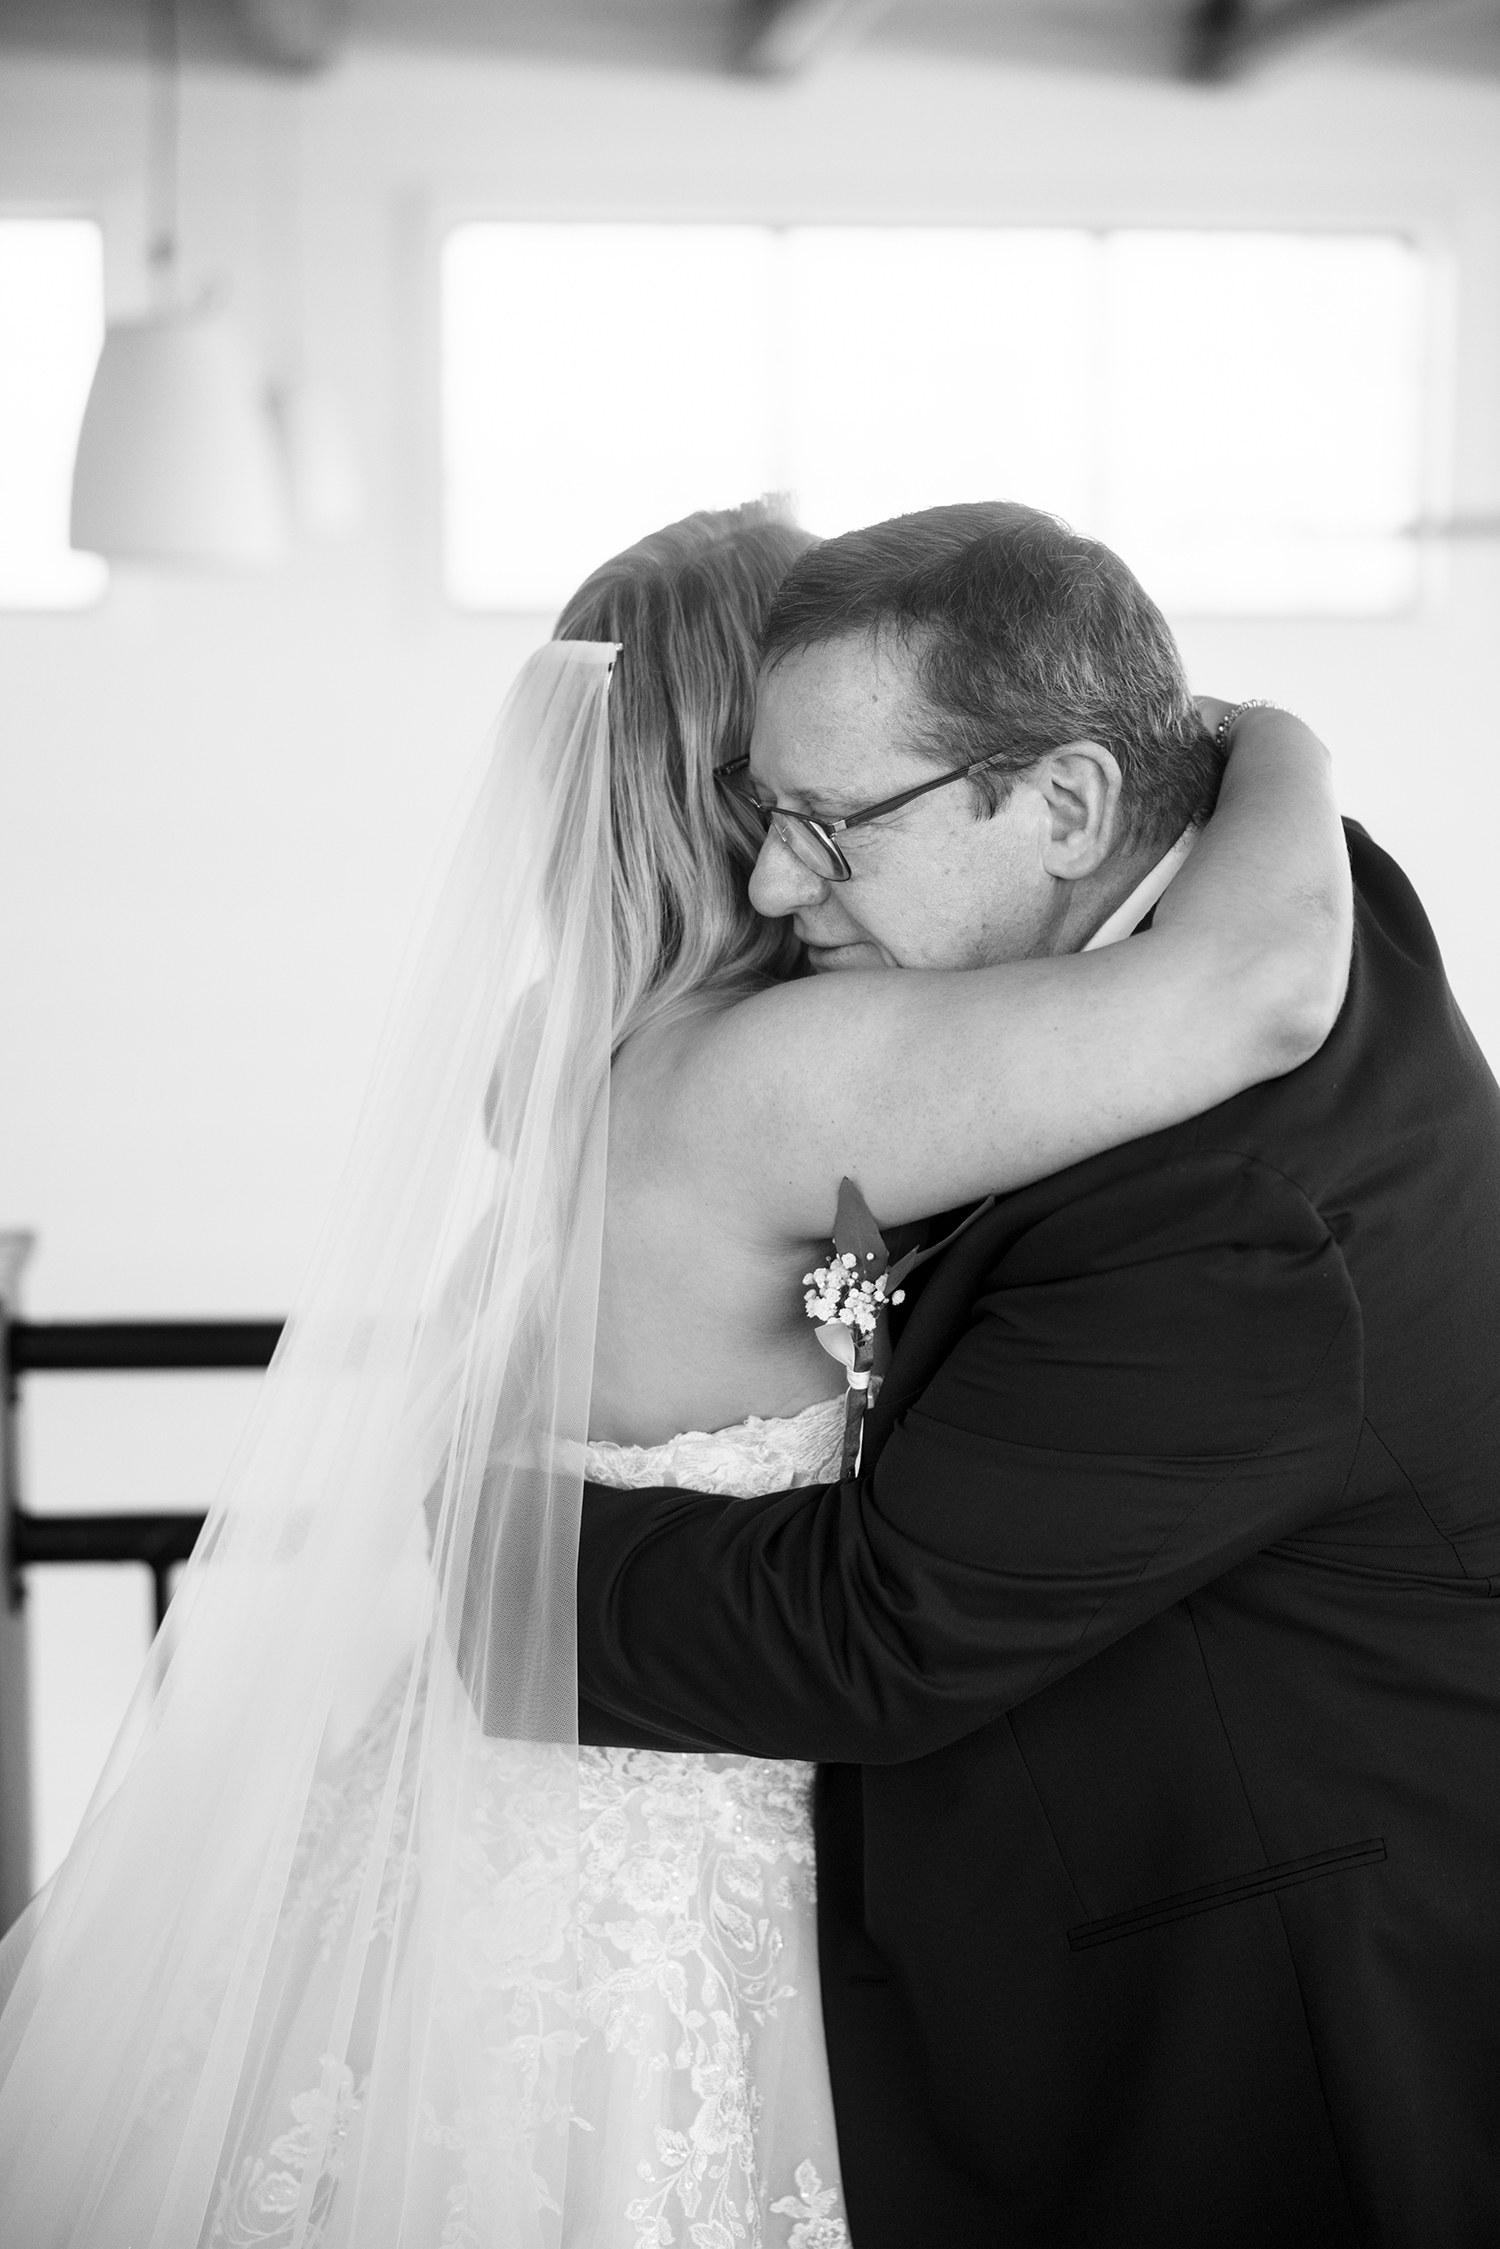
51, 327
1242, 415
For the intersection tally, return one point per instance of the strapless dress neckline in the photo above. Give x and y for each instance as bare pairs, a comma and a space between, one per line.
760, 1454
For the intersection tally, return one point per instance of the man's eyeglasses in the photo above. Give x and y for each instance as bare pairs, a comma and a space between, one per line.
810, 839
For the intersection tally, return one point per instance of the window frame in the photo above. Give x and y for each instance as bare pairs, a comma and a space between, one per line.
1431, 241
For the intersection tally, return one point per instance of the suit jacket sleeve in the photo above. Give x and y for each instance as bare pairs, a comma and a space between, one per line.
1157, 1380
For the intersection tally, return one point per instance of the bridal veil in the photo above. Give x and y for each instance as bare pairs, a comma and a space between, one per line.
306, 1975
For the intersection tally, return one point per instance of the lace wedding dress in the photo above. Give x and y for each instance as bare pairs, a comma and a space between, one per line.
700, 2086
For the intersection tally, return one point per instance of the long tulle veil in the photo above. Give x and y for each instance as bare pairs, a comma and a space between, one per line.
306, 1975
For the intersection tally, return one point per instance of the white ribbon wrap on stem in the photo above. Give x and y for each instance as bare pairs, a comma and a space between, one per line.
838, 1341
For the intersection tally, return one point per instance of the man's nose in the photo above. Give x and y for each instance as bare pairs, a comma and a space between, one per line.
780, 883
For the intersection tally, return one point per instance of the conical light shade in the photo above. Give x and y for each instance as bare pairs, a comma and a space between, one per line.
177, 463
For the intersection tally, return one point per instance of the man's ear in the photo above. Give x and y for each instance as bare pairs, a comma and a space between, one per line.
1080, 788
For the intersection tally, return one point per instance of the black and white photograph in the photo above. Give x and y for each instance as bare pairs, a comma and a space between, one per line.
749, 1142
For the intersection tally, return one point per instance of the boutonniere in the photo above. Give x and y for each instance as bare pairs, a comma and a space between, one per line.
850, 1298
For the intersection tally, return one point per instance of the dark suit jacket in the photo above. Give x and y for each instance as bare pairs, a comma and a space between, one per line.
1155, 1670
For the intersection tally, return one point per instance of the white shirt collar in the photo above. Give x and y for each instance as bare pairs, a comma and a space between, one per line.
1127, 918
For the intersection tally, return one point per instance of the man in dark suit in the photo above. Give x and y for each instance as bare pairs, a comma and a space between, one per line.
1154, 1657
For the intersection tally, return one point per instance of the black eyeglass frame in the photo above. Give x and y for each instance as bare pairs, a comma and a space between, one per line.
727, 778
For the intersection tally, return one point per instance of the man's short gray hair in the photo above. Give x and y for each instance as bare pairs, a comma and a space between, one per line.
1024, 636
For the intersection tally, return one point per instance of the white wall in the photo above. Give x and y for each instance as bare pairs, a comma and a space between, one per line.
217, 800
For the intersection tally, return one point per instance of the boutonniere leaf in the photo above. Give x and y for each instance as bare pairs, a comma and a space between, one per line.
855, 1231
898, 1272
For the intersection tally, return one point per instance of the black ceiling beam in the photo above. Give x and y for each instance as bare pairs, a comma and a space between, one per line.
296, 36
1224, 39
783, 38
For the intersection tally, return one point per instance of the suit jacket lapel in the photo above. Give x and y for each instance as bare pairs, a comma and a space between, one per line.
929, 1237
940, 1293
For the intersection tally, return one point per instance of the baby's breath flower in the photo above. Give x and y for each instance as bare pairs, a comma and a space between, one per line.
838, 1293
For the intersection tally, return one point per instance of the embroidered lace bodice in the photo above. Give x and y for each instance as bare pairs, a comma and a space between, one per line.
753, 1457
702, 2075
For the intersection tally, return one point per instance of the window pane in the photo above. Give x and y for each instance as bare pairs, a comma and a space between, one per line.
926, 365
1241, 414
1264, 430
51, 327
597, 381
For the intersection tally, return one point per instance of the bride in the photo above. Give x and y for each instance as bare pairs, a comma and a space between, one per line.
355, 1945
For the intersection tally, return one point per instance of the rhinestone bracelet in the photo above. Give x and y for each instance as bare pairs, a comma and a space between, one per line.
1225, 726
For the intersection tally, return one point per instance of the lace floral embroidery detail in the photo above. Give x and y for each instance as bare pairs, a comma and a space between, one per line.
338, 1833
328, 1868
690, 1868
701, 2064
260, 2205
813, 2205
754, 1457
509, 1931
504, 1985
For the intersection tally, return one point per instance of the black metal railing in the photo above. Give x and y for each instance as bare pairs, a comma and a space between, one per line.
140, 1346
158, 1542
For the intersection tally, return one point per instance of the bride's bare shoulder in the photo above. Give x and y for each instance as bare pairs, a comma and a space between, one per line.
719, 1101
724, 1055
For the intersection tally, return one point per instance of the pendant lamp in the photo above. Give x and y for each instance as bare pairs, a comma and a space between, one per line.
177, 460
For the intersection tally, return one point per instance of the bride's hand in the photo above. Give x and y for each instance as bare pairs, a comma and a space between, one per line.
1266, 720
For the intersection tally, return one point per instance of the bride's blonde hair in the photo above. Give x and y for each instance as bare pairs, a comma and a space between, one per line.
687, 605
